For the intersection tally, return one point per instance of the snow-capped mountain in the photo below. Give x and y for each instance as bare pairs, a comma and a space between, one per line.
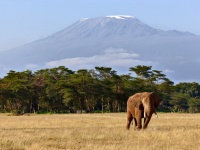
114, 41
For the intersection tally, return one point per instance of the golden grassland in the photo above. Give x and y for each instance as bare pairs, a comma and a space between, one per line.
170, 131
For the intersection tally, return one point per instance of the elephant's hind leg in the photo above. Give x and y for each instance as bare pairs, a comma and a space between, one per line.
138, 118
129, 119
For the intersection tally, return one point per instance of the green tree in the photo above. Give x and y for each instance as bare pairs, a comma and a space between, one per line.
194, 105
56, 79
21, 96
104, 75
80, 95
179, 102
193, 89
141, 71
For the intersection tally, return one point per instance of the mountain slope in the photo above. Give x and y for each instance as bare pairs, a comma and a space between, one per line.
112, 36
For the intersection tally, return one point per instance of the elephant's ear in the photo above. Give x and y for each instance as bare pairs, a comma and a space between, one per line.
156, 99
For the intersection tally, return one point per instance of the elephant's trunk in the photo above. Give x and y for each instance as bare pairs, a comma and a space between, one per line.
149, 112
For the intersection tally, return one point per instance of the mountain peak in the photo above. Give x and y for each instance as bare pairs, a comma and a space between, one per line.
121, 17
83, 19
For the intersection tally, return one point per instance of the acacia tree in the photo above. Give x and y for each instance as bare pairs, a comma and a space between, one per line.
179, 102
194, 105
142, 71
104, 75
21, 93
6, 96
55, 79
122, 87
80, 82
40, 86
193, 89
81, 91
143, 81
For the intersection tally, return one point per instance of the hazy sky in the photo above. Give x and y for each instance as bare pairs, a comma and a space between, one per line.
24, 21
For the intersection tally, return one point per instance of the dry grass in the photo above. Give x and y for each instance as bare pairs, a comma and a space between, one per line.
98, 132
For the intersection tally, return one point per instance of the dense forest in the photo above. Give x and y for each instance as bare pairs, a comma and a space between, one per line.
61, 90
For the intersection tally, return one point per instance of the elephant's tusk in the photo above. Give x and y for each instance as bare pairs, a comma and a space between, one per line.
156, 114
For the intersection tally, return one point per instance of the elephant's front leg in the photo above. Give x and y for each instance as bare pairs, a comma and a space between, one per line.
146, 121
139, 123
135, 122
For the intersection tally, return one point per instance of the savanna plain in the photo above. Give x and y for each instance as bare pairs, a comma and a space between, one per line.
170, 131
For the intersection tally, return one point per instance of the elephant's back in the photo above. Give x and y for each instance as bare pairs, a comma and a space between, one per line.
134, 100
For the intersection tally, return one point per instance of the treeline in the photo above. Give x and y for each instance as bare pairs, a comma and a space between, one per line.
61, 90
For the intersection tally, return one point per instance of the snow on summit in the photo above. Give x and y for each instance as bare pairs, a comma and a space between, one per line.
83, 19
120, 17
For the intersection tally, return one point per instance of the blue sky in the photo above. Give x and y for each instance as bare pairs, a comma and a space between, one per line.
24, 21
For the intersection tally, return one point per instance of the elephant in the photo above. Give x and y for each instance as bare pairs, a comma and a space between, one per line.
141, 105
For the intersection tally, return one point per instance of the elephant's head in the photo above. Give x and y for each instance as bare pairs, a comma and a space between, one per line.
155, 98
150, 102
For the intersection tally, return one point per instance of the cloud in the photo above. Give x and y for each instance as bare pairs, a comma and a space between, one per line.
110, 58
